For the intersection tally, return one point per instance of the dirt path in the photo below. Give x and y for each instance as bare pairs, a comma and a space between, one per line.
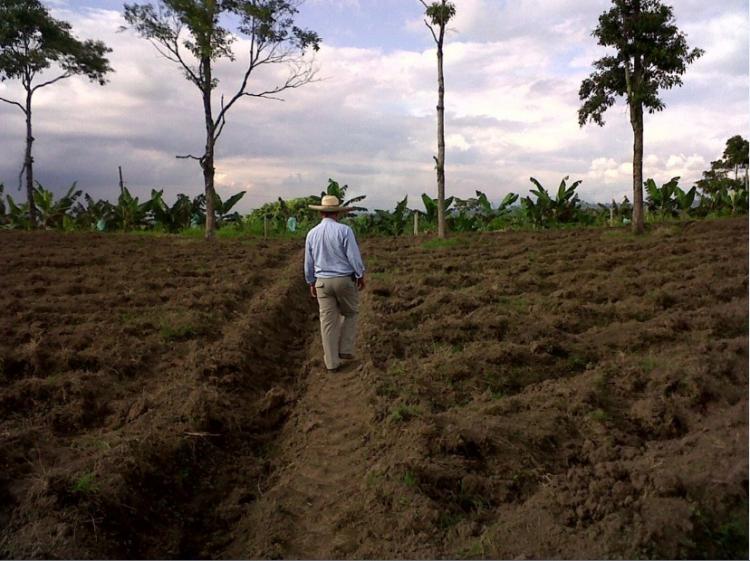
310, 507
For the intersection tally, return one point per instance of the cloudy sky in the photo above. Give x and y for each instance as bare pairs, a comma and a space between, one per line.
513, 69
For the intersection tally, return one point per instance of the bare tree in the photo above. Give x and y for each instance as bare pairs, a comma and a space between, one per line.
438, 14
190, 34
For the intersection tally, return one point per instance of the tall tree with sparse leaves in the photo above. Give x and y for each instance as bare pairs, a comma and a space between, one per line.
651, 55
40, 50
437, 16
193, 35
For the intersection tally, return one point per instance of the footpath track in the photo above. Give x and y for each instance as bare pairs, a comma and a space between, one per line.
310, 507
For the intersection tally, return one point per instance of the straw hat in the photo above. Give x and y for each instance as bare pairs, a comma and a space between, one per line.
329, 203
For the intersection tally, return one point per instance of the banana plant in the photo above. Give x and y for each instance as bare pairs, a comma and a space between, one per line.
566, 203
172, 218
738, 201
18, 215
684, 200
431, 207
51, 212
339, 191
223, 209
620, 212
661, 200
506, 203
130, 213
94, 215
386, 222
472, 214
545, 210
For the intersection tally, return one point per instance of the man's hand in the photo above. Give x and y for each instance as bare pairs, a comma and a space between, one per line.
361, 283
313, 292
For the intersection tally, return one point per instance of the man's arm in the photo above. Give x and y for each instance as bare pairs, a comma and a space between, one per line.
353, 256
309, 266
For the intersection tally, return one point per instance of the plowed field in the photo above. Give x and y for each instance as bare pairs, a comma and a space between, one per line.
575, 394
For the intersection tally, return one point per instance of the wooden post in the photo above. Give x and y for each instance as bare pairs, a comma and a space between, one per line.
416, 224
612, 216
265, 226
119, 171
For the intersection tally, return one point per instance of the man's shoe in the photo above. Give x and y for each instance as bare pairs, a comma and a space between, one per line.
345, 356
331, 370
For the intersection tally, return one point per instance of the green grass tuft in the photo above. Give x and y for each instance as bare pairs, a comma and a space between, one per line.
85, 484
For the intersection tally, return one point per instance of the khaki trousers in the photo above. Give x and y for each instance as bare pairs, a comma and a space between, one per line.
338, 302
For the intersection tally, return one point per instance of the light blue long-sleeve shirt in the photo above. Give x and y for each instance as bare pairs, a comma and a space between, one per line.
331, 251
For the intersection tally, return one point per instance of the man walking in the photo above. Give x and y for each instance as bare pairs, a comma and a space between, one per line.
334, 271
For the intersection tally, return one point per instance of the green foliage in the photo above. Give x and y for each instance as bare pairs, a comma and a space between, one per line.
476, 213
403, 413
546, 211
393, 223
721, 194
18, 215
129, 213
431, 207
171, 218
31, 41
621, 213
50, 213
270, 23
410, 480
440, 13
94, 215
651, 54
736, 153
222, 209
85, 484
661, 200
684, 200
339, 191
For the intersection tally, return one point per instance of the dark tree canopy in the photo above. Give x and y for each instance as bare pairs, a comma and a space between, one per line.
651, 54
736, 152
196, 26
440, 13
31, 41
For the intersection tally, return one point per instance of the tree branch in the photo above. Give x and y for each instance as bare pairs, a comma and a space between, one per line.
189, 157
159, 50
21, 107
221, 122
47, 83
299, 77
431, 31
175, 49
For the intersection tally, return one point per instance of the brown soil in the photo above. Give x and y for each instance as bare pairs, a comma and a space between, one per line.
574, 394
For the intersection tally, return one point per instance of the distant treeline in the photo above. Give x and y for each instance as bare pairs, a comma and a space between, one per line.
722, 191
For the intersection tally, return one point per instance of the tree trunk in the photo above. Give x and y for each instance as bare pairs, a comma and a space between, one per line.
636, 120
207, 162
28, 163
440, 161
